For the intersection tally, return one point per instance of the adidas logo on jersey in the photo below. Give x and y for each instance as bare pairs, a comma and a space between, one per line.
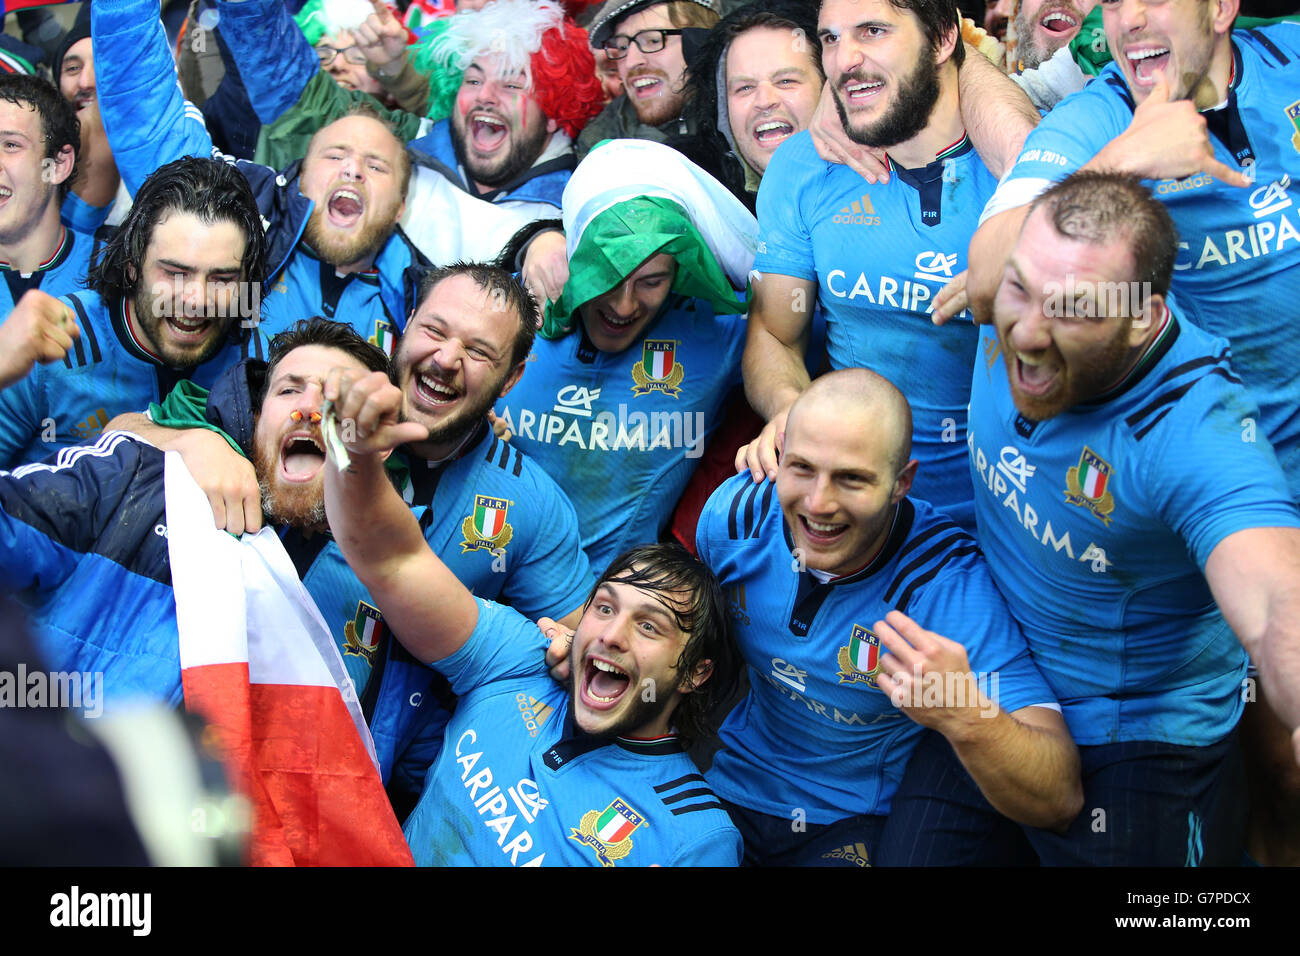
858, 213
534, 712
90, 429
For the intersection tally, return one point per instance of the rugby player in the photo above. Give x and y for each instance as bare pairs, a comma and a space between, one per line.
858, 607
893, 70
1143, 546
590, 774
168, 300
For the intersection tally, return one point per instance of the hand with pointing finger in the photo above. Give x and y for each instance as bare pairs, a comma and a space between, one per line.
382, 38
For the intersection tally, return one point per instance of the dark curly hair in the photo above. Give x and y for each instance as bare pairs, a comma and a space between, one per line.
212, 190
663, 569
59, 124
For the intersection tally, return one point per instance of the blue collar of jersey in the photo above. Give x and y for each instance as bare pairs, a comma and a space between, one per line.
904, 517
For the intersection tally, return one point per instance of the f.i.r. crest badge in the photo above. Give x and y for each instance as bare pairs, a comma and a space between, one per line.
1293, 114
385, 336
362, 635
486, 526
658, 370
608, 832
860, 660
1088, 485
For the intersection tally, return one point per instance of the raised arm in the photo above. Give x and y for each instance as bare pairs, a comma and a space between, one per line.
1255, 577
274, 58
148, 121
780, 317
996, 112
429, 610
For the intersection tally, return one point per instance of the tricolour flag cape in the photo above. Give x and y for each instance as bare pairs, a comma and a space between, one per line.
258, 663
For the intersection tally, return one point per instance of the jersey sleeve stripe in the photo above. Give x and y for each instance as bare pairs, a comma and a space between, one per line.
1172, 396
763, 507
1269, 45
925, 536
1201, 362
87, 330
731, 514
903, 573
519, 463
1142, 432
690, 794
916, 583
715, 805
749, 511
492, 448
672, 784
83, 322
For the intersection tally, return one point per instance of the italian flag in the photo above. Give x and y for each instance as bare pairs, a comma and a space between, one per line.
488, 521
1091, 479
659, 362
259, 665
613, 827
863, 654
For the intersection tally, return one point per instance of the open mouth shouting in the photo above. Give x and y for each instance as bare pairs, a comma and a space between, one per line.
345, 207
603, 684
1033, 376
771, 133
1145, 61
487, 131
1059, 24
188, 329
301, 457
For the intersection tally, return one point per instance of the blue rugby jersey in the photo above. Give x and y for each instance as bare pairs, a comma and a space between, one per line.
1237, 274
62, 273
309, 286
107, 372
879, 253
814, 732
518, 785
1097, 524
622, 433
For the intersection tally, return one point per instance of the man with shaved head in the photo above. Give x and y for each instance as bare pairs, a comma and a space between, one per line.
821, 568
